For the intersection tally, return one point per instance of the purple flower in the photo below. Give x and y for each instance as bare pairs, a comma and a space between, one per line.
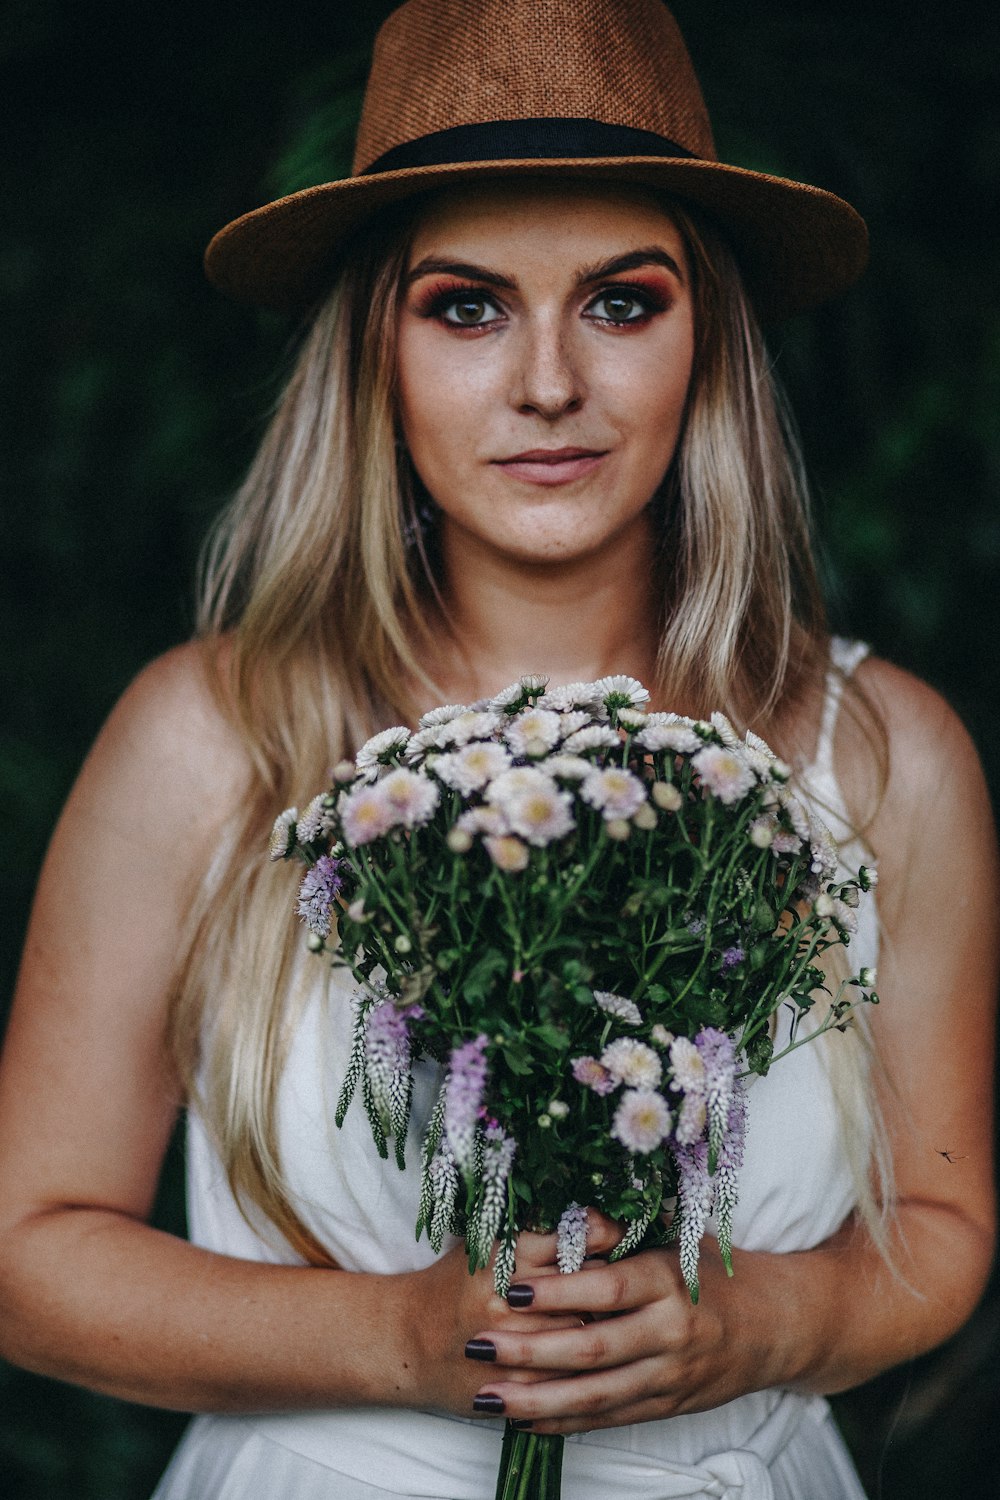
732, 956
319, 890
727, 1172
593, 1075
695, 1193
387, 1065
464, 1087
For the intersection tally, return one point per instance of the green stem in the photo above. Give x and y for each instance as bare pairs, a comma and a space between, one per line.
530, 1466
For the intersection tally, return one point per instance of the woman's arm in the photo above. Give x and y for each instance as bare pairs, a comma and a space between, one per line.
828, 1318
88, 1291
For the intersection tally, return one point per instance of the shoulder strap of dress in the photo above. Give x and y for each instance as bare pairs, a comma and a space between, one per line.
845, 658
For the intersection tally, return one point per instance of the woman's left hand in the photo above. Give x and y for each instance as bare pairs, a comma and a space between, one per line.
643, 1352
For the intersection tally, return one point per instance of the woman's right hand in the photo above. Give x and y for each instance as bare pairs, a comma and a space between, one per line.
446, 1308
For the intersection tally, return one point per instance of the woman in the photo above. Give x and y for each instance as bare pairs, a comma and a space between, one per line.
531, 428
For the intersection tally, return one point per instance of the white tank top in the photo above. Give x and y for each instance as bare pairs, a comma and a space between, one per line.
796, 1189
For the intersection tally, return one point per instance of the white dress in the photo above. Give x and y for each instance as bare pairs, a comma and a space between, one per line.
795, 1190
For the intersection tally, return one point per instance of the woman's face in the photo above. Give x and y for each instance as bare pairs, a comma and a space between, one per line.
545, 349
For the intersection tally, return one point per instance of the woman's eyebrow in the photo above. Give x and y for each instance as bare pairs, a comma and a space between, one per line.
432, 265
651, 255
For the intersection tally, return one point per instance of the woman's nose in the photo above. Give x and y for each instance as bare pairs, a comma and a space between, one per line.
548, 379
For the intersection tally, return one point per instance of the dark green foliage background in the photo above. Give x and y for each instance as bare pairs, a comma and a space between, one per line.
131, 397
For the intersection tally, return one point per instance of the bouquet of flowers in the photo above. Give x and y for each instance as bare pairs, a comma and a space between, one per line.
588, 914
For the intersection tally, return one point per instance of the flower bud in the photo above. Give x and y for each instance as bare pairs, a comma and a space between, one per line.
867, 878
644, 817
315, 943
545, 1122
867, 978
849, 896
459, 840
666, 795
344, 771
824, 905
558, 1109
618, 829
403, 944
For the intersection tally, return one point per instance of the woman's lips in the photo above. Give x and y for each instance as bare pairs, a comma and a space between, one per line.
551, 465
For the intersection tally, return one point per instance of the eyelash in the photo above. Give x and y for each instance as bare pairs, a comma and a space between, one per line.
439, 302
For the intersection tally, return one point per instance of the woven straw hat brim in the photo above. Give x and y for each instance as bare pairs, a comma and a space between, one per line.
797, 245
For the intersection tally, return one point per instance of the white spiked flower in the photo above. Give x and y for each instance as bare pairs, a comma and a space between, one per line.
314, 821
382, 748
281, 834
571, 1239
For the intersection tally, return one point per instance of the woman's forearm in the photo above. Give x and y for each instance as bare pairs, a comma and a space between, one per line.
97, 1298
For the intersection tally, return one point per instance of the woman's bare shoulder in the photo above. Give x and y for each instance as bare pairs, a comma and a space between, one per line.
925, 737
169, 747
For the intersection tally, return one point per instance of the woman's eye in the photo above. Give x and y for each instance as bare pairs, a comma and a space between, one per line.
469, 312
619, 307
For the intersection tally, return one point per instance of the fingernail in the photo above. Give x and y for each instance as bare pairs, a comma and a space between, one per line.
521, 1296
521, 1424
489, 1406
480, 1349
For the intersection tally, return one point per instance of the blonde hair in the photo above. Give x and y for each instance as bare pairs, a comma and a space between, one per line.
316, 592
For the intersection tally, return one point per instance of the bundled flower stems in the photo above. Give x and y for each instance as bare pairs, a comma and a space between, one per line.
587, 915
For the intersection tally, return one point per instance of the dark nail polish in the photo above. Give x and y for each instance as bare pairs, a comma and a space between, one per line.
480, 1349
521, 1296
521, 1424
488, 1406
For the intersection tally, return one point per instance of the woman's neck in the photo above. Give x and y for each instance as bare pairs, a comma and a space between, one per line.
570, 621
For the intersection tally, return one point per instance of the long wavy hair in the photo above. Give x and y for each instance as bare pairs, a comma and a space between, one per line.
318, 583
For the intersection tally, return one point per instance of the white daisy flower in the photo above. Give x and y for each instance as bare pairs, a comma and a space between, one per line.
533, 731
723, 772
507, 853
597, 737
488, 820
619, 1006
380, 749
687, 1067
469, 769
571, 695
727, 734
632, 1063
576, 719
569, 767
424, 740
413, 798
642, 1121
467, 726
614, 791
540, 814
517, 779
676, 736
365, 814
620, 692
631, 718
442, 715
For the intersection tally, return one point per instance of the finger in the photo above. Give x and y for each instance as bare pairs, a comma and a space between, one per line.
582, 1402
538, 1251
605, 1344
601, 1288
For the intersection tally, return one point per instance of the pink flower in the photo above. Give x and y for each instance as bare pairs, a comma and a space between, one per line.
642, 1120
724, 773
593, 1075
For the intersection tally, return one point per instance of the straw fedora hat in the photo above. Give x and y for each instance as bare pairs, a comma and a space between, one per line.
465, 89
